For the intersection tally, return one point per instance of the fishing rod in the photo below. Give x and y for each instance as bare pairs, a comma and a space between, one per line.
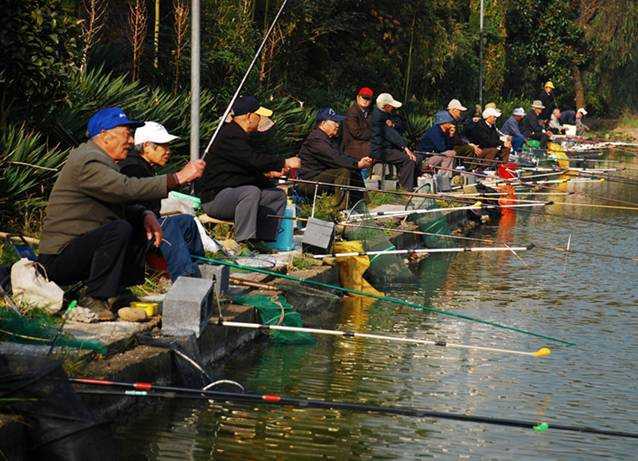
574, 218
423, 251
542, 352
243, 80
146, 390
474, 159
389, 299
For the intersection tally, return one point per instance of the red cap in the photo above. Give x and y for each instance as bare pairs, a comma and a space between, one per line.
365, 91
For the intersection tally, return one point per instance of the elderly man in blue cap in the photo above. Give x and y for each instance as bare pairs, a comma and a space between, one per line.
322, 160
437, 144
92, 232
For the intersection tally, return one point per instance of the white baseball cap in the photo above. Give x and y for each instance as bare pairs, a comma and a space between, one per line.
153, 132
490, 111
387, 99
582, 111
519, 111
455, 104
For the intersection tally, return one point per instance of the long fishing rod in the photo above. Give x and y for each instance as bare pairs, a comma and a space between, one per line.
424, 251
389, 299
474, 159
146, 390
243, 80
542, 352
574, 218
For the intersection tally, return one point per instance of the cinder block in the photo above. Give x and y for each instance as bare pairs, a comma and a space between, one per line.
425, 183
319, 233
220, 276
442, 182
187, 307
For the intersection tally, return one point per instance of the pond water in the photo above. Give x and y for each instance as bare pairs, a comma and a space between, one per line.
590, 300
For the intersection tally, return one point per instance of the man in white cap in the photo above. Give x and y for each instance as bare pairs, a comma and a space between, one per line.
531, 126
181, 238
459, 141
488, 138
569, 117
512, 128
388, 146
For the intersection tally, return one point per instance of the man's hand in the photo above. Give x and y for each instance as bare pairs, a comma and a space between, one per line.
292, 162
365, 162
191, 172
152, 228
410, 154
508, 142
477, 150
274, 174
390, 123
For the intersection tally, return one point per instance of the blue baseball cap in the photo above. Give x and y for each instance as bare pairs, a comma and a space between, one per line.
328, 113
107, 118
442, 117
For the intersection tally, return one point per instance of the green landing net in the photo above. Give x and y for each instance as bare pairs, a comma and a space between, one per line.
275, 310
39, 330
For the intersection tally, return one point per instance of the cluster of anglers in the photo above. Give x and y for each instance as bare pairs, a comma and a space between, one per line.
103, 216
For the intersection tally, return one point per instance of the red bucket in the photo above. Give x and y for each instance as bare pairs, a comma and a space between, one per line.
507, 170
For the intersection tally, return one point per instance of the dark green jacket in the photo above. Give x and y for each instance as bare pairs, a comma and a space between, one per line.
90, 191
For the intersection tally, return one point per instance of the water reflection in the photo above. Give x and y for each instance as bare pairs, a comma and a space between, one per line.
579, 297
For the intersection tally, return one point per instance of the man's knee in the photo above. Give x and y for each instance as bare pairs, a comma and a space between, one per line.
249, 193
120, 227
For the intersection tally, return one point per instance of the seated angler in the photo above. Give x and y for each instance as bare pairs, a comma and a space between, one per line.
531, 126
388, 146
92, 233
181, 236
323, 161
569, 117
555, 125
438, 140
512, 127
488, 138
460, 142
237, 182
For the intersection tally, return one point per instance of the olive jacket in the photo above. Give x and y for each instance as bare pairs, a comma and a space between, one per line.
89, 192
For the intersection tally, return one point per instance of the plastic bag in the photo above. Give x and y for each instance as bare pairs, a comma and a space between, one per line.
32, 288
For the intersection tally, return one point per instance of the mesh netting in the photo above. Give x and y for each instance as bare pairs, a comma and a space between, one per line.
275, 310
40, 330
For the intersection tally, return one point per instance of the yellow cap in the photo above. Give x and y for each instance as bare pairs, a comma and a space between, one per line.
549, 84
263, 111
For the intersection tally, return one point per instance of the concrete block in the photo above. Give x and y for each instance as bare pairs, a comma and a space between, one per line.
388, 184
220, 276
425, 183
372, 184
442, 182
187, 306
319, 233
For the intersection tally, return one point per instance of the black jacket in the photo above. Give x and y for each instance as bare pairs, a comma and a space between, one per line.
383, 137
232, 162
485, 136
549, 101
134, 166
530, 126
319, 153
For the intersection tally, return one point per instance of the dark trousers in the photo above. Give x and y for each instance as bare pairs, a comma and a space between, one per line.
249, 207
181, 240
407, 168
344, 198
108, 258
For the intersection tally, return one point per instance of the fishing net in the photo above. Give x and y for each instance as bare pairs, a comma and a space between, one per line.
275, 310
40, 330
386, 269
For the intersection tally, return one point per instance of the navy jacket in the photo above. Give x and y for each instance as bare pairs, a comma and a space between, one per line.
383, 137
530, 126
512, 128
319, 153
435, 140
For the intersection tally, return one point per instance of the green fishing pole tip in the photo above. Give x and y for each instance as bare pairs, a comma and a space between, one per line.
542, 427
72, 305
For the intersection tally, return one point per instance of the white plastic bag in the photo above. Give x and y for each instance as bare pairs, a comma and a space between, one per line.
30, 287
209, 243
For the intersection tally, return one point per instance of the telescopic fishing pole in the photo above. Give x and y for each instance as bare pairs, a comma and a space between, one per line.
149, 390
542, 352
243, 80
417, 251
389, 299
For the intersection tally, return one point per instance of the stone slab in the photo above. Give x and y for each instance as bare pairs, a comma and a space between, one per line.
187, 306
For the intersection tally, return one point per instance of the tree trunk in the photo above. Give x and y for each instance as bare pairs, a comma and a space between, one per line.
156, 35
579, 88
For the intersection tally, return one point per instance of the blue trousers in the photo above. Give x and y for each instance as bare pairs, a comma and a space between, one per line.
517, 143
181, 240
